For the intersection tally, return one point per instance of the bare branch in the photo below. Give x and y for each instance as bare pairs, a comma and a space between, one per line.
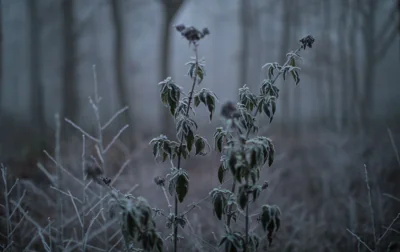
113, 117
115, 138
81, 130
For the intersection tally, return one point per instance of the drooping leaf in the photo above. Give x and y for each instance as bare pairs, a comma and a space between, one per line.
190, 140
219, 205
182, 186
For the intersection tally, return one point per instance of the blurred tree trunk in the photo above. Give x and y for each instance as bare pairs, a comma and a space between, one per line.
355, 94
398, 23
255, 46
368, 34
297, 124
171, 8
69, 86
117, 15
327, 14
286, 37
35, 60
1, 52
244, 15
376, 44
342, 30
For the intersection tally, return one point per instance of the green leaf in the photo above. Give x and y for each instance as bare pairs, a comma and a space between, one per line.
182, 185
196, 100
265, 216
271, 154
219, 205
219, 144
295, 76
210, 104
190, 140
223, 240
243, 199
200, 145
155, 150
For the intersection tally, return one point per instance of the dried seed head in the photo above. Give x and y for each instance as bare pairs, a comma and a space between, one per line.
307, 42
180, 27
229, 110
160, 181
191, 33
93, 172
264, 185
106, 181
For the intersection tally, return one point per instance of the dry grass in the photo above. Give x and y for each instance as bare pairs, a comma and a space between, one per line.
319, 185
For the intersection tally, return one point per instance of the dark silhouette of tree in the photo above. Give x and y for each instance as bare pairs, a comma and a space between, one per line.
117, 14
69, 89
1, 51
328, 62
376, 41
343, 67
245, 19
297, 123
35, 60
286, 22
171, 8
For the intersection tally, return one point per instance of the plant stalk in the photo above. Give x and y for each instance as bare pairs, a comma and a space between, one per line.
181, 144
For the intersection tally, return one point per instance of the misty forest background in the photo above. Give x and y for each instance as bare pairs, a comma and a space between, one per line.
345, 112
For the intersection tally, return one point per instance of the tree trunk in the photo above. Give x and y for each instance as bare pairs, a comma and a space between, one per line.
297, 126
1, 53
171, 7
285, 43
69, 85
355, 96
244, 15
331, 119
344, 66
119, 66
37, 99
368, 101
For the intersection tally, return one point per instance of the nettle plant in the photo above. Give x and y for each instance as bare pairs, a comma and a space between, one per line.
243, 153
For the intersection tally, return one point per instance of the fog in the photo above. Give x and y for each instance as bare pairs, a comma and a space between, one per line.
338, 116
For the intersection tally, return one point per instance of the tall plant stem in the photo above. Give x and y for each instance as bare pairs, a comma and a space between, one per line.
181, 144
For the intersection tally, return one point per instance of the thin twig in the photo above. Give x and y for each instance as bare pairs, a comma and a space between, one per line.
81, 130
113, 118
115, 138
76, 208
396, 152
359, 240
390, 226
370, 203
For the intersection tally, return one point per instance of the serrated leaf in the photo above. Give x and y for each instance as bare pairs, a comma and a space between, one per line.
182, 186
266, 110
171, 187
210, 104
295, 76
196, 101
273, 105
223, 240
243, 199
190, 140
155, 150
219, 205
200, 146
271, 155
219, 144
165, 156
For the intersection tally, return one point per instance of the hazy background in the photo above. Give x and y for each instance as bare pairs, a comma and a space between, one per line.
330, 125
